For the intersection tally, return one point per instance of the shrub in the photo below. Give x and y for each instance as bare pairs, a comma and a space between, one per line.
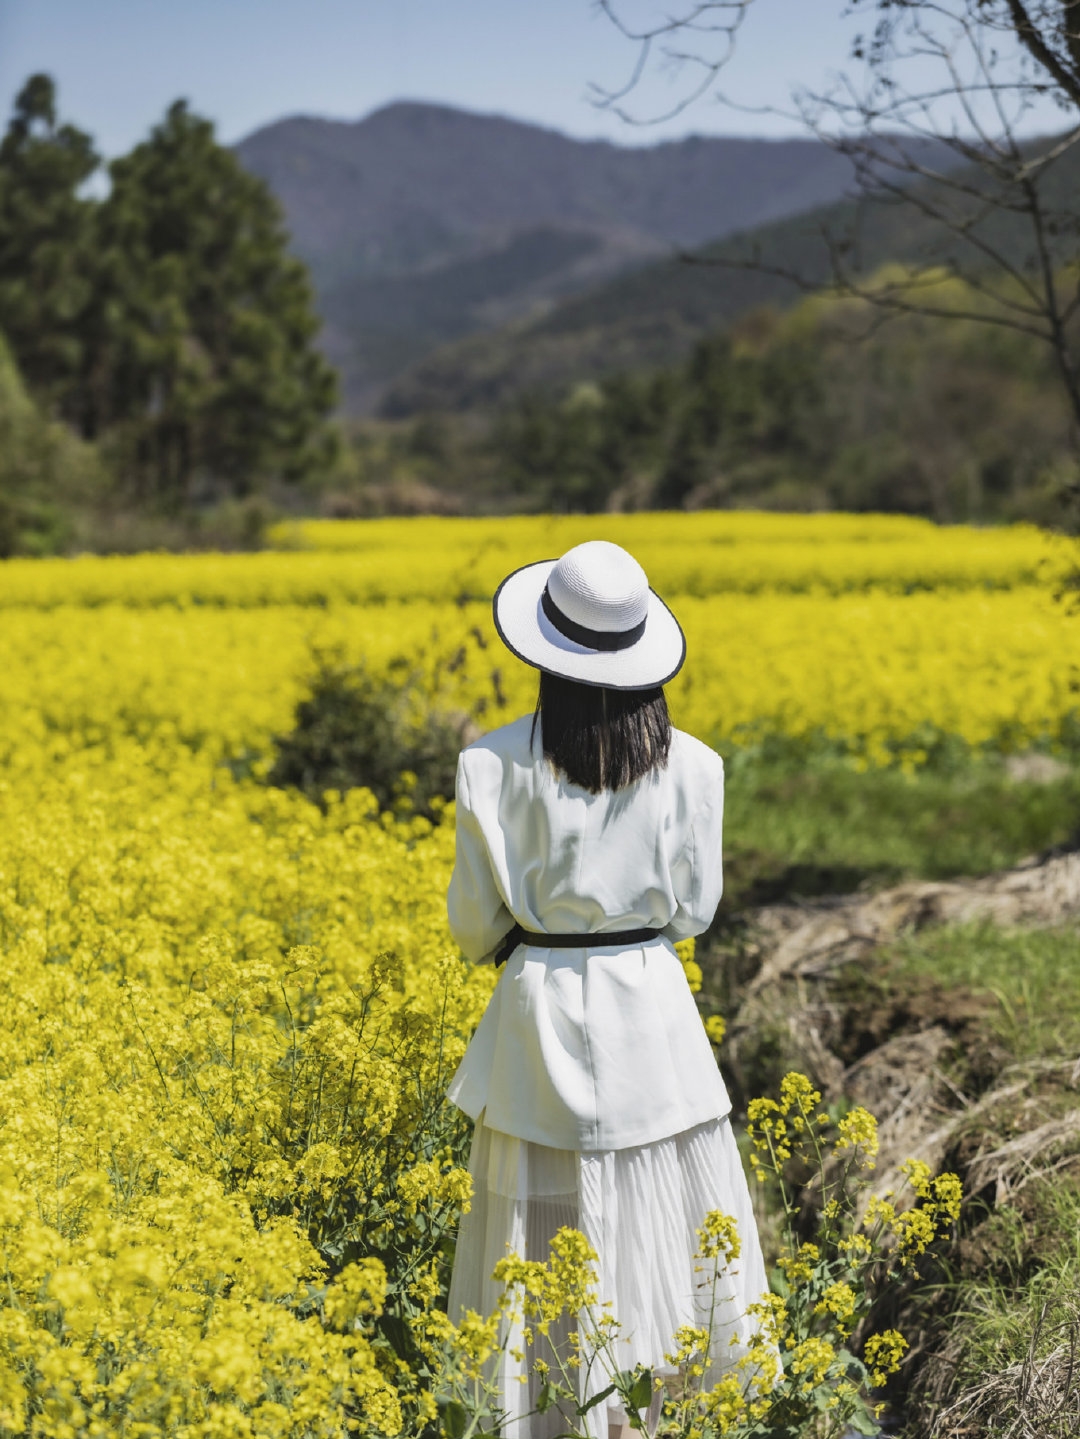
382, 732
45, 473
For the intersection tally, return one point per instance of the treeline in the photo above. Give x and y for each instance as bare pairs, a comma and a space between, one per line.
821, 406
162, 323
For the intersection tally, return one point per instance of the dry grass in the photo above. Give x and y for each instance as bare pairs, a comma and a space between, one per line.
1037, 1398
1036, 1154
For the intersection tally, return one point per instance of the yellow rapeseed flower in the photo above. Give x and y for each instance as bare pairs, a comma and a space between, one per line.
231, 1015
857, 1130
882, 1354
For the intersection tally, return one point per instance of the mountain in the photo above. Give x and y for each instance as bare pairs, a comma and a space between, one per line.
423, 225
652, 315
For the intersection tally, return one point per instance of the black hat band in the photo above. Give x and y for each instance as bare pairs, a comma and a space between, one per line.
591, 639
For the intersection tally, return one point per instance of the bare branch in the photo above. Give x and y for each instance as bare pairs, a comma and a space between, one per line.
934, 116
988, 88
718, 21
1035, 42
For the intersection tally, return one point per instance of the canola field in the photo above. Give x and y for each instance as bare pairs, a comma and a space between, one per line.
229, 1179
876, 634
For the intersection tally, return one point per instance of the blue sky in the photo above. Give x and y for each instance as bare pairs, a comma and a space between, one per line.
119, 63
243, 63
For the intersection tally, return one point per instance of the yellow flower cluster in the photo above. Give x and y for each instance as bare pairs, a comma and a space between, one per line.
799, 1267
857, 1131
838, 1300
461, 1351
716, 1028
810, 1360
715, 552
718, 1238
915, 1229
831, 1284
228, 1020
880, 675
942, 1190
564, 1283
774, 1125
793, 1367
696, 1405
686, 949
882, 1354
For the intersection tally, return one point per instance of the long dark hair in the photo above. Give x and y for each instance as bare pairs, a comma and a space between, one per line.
602, 738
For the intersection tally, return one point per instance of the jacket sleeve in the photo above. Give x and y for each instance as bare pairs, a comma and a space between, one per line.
478, 916
698, 873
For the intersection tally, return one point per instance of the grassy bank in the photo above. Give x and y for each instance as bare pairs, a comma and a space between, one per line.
1001, 1313
800, 825
989, 1015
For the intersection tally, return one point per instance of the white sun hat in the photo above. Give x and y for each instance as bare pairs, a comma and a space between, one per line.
590, 617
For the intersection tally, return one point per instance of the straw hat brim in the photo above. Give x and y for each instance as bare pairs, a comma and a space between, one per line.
527, 632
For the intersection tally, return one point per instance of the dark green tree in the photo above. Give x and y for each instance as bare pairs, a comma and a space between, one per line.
205, 368
46, 273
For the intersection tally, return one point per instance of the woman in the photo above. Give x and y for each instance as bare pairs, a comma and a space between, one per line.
588, 840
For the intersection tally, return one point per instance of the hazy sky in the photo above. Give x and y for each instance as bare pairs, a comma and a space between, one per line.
243, 63
119, 63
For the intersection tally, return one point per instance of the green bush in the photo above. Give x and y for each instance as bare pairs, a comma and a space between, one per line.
46, 473
382, 732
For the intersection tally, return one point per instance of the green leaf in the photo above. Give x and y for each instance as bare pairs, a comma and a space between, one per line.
854, 1369
640, 1393
864, 1422
454, 1419
545, 1399
596, 1399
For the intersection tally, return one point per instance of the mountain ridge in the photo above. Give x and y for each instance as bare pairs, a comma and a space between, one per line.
428, 196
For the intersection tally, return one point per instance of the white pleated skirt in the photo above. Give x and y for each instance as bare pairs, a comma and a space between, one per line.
640, 1209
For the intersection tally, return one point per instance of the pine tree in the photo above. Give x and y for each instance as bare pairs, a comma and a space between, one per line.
205, 325
46, 274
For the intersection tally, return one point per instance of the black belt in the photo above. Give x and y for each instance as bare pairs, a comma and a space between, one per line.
610, 939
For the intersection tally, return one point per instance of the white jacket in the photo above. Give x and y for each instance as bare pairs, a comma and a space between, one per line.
586, 1048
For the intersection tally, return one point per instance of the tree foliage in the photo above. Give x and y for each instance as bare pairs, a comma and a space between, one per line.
45, 241
167, 320
812, 409
356, 728
46, 472
211, 365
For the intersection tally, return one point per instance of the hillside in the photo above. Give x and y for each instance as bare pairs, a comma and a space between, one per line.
655, 314
424, 224
651, 316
